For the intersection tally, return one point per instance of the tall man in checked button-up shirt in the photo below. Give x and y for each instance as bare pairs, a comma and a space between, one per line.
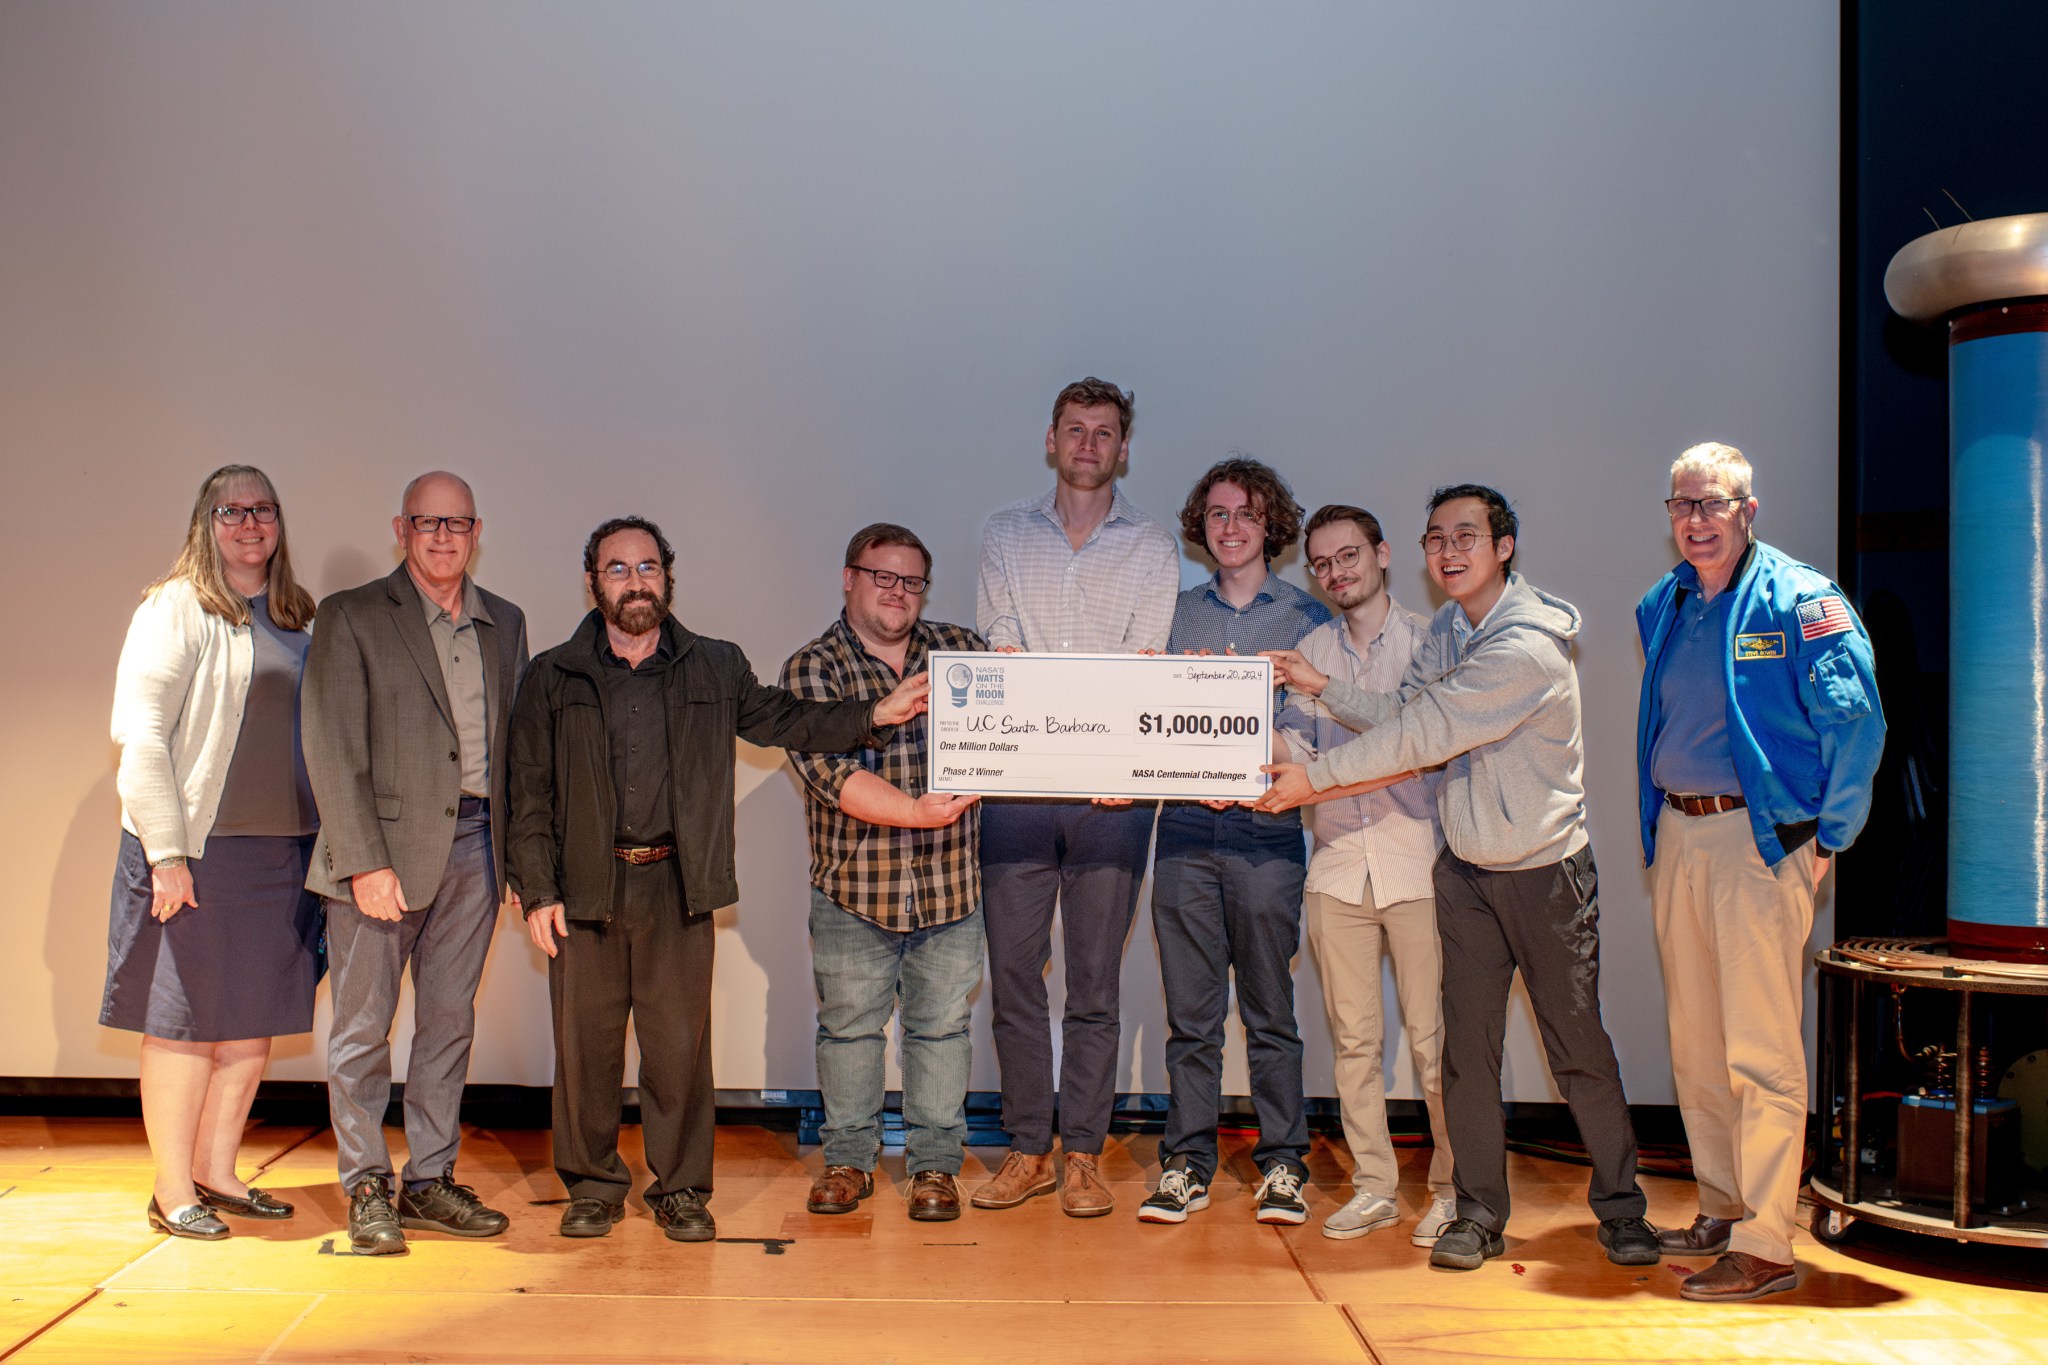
1079, 570
896, 910
1757, 739
1369, 880
1226, 880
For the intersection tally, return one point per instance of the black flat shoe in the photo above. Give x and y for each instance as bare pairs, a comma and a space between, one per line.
257, 1205
188, 1220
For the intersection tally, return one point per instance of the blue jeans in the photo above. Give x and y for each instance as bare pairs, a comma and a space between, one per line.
862, 971
1226, 897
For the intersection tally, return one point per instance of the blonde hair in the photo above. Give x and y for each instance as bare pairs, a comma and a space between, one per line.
291, 606
1711, 458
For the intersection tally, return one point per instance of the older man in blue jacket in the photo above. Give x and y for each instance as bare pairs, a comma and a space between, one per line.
1757, 738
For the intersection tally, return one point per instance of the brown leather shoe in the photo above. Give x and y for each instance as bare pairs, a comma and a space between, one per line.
1738, 1276
839, 1189
1082, 1193
934, 1197
1706, 1237
1023, 1176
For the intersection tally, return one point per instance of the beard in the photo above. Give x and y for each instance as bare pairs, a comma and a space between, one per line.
635, 612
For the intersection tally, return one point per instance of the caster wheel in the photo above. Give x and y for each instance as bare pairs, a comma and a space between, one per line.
1832, 1227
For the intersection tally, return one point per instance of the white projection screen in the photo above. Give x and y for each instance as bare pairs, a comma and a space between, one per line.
765, 272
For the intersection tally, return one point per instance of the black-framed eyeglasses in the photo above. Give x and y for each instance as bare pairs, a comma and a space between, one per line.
232, 514
1462, 540
1706, 507
1346, 558
457, 526
914, 584
619, 573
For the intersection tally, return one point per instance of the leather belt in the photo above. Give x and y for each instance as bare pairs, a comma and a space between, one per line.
1703, 805
640, 855
469, 807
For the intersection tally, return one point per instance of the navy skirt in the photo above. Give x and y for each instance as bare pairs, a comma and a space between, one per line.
242, 963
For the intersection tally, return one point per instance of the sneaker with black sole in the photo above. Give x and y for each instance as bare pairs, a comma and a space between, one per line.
445, 1206
1630, 1241
683, 1217
373, 1228
1465, 1245
1279, 1195
1179, 1194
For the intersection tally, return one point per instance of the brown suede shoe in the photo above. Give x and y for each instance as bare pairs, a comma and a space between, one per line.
839, 1189
1706, 1237
1082, 1193
1023, 1176
934, 1197
1738, 1276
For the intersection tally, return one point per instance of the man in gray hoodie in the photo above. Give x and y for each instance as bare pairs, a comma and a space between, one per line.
1492, 695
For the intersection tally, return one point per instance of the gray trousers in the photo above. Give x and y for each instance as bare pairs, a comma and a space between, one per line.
1544, 921
445, 944
1088, 861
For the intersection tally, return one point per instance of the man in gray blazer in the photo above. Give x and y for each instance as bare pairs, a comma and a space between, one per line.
407, 698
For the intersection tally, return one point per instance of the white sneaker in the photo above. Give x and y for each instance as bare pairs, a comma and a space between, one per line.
1365, 1212
1443, 1211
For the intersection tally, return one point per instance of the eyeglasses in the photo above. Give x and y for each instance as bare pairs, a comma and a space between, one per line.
1346, 558
1706, 507
1461, 540
619, 573
914, 584
457, 526
229, 514
1220, 517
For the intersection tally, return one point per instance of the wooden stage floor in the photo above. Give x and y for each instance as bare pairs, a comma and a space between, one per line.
83, 1279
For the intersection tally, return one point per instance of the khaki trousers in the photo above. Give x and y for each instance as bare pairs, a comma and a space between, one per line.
1732, 936
1347, 941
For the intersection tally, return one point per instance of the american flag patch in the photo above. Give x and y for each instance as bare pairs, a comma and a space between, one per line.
1823, 616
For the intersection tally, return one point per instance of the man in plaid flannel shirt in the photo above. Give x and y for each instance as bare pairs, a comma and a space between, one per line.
895, 892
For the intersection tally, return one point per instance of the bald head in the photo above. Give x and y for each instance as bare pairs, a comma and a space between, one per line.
438, 527
431, 485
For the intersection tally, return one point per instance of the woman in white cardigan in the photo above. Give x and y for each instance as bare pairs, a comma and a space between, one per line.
213, 948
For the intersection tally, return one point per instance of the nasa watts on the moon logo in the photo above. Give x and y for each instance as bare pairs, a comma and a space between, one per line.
959, 678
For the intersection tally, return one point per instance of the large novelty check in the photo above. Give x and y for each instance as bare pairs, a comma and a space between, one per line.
1133, 725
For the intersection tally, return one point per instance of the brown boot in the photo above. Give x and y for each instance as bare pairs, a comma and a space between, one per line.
934, 1197
1707, 1236
1023, 1176
1739, 1276
839, 1189
1082, 1193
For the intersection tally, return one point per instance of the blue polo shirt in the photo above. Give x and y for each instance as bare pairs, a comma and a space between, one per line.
1276, 618
1689, 753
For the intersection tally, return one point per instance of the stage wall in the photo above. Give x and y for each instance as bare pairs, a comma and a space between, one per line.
766, 272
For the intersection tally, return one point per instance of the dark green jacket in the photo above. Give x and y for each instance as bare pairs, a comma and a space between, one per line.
559, 840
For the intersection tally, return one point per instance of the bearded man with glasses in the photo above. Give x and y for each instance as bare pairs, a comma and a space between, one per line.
406, 699
622, 850
895, 911
1369, 894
